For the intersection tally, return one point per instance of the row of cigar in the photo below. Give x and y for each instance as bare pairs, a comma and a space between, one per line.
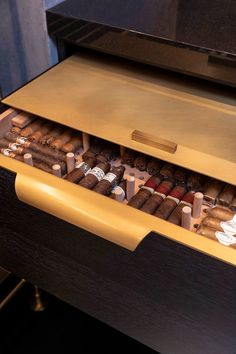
219, 224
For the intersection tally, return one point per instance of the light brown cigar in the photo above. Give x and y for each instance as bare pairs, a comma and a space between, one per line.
233, 205
211, 191
16, 130
31, 128
23, 119
216, 224
38, 134
226, 196
62, 139
50, 137
210, 233
220, 213
73, 145
10, 153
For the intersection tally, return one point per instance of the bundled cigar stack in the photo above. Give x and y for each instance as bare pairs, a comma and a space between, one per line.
218, 193
219, 224
41, 143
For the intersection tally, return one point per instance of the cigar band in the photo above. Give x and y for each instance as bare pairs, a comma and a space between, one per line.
176, 200
225, 239
21, 140
98, 173
160, 194
110, 177
148, 188
186, 203
229, 227
83, 165
118, 188
14, 146
8, 152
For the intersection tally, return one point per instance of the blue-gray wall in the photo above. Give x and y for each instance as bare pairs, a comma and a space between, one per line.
25, 49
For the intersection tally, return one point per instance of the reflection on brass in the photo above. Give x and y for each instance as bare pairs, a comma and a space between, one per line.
154, 141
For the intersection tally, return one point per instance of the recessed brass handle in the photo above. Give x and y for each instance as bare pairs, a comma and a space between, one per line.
154, 141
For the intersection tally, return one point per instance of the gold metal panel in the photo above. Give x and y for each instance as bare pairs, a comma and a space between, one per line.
110, 102
100, 215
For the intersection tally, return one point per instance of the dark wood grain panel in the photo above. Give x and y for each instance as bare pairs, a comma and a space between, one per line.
171, 298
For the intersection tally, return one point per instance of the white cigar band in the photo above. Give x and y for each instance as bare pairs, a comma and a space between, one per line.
98, 173
225, 239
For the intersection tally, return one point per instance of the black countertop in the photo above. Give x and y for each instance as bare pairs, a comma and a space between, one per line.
207, 24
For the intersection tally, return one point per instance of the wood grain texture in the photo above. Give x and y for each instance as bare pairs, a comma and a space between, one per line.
167, 296
154, 141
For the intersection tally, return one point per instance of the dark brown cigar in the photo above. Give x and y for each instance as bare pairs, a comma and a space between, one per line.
161, 191
145, 192
81, 170
95, 175
107, 154
220, 213
211, 191
167, 170
88, 154
180, 175
50, 137
226, 196
141, 162
216, 235
195, 182
111, 179
170, 202
129, 157
62, 139
32, 127
122, 188
43, 130
154, 166
73, 145
175, 217
45, 150
233, 204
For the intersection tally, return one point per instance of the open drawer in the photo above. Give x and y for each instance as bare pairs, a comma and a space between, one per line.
151, 279
133, 111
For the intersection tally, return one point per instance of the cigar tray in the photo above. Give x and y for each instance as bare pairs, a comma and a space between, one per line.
152, 280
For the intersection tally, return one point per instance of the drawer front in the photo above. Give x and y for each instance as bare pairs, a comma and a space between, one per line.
170, 297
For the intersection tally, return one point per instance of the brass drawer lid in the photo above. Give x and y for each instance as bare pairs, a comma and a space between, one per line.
128, 108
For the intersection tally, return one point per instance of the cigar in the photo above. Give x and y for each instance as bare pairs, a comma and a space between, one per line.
38, 164
154, 166
109, 181
161, 191
223, 238
88, 154
95, 175
81, 170
45, 150
22, 150
50, 137
226, 196
141, 162
10, 153
129, 157
170, 202
43, 130
145, 192
175, 216
106, 154
195, 182
73, 145
62, 139
220, 213
180, 175
32, 127
212, 191
121, 189
219, 225
97, 146
16, 130
167, 170
233, 205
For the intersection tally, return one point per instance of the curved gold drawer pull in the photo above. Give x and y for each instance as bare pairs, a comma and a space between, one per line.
154, 141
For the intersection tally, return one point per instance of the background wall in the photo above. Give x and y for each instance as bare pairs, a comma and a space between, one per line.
25, 49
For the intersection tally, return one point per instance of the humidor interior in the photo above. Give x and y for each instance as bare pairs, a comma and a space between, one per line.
135, 176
